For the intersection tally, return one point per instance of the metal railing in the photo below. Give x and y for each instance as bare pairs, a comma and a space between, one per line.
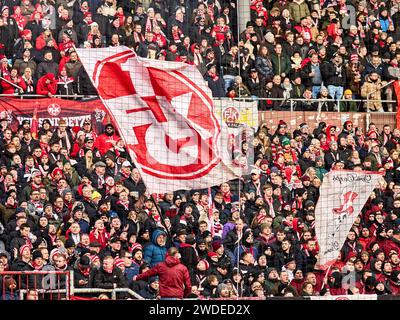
49, 285
291, 101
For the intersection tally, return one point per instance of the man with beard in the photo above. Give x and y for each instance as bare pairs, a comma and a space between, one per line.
107, 140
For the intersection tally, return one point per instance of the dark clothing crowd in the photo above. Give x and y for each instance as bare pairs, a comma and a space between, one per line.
73, 201
293, 49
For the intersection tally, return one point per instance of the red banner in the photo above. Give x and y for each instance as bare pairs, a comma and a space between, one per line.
72, 111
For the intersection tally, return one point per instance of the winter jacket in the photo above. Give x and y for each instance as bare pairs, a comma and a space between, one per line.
46, 88
106, 280
189, 256
21, 65
173, 278
103, 142
153, 253
216, 86
264, 66
46, 67
371, 90
298, 9
281, 64
8, 88
73, 68
333, 75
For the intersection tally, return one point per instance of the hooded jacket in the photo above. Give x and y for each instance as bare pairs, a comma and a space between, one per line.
46, 88
173, 278
153, 253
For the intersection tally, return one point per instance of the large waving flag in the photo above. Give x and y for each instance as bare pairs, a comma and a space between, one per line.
342, 196
165, 113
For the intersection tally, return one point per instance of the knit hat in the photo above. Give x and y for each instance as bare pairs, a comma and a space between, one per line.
136, 247
25, 32
260, 218
119, 262
22, 248
54, 253
94, 258
36, 254
348, 91
264, 161
69, 243
95, 195
216, 245
110, 155
354, 57
212, 254
84, 262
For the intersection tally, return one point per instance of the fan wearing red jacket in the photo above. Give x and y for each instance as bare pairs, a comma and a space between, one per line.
107, 140
173, 276
47, 85
13, 77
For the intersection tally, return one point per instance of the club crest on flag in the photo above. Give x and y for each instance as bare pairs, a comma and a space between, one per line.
165, 112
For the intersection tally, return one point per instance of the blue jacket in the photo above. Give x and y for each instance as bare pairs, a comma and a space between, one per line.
132, 271
242, 249
153, 253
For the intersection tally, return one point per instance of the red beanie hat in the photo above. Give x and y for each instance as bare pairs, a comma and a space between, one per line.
260, 218
25, 32
119, 262
212, 254
216, 245
22, 248
136, 246
94, 258
206, 263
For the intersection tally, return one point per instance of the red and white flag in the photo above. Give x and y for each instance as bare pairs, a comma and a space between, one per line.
164, 112
342, 196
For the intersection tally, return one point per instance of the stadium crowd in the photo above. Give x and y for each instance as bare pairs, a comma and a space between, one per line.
290, 49
73, 200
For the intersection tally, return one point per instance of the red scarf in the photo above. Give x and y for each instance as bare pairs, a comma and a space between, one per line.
36, 266
84, 271
213, 76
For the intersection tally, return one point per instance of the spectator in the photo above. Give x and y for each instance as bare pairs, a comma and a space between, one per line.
173, 276
47, 66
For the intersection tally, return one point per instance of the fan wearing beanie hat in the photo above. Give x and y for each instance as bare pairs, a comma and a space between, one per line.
25, 251
203, 265
216, 245
118, 262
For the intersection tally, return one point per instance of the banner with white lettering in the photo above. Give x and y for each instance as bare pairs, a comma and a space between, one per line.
342, 196
165, 113
74, 112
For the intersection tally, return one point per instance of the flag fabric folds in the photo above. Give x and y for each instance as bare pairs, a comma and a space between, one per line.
164, 112
342, 196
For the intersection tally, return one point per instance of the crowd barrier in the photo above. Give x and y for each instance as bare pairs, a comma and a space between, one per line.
271, 117
59, 285
51, 285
